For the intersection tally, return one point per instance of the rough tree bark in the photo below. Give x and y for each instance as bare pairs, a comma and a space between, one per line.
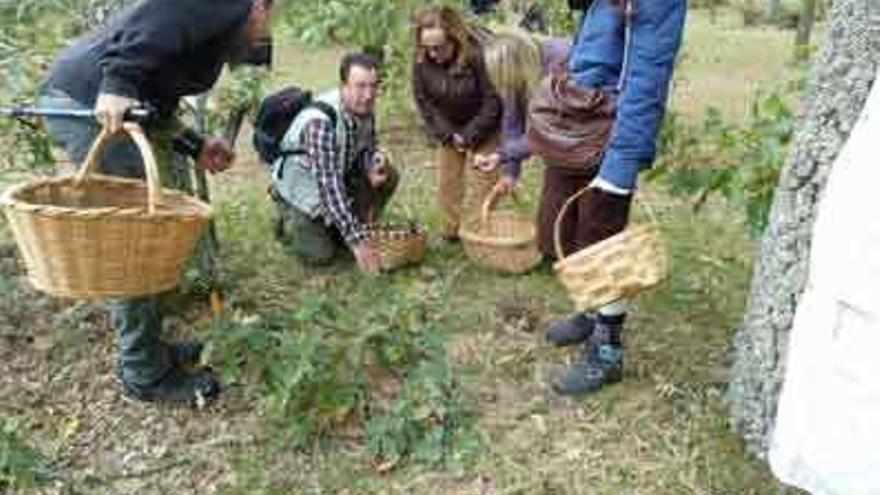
842, 75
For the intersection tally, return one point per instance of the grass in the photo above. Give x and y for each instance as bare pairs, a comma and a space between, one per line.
724, 64
662, 431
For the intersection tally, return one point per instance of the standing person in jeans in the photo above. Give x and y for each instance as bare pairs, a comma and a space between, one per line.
627, 49
153, 53
515, 62
460, 108
332, 179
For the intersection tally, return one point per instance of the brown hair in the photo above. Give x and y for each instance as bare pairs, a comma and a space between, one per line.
450, 21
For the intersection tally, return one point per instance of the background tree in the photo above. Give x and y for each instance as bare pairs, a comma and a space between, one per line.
806, 20
841, 78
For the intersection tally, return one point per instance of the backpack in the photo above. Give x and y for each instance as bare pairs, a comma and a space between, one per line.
274, 116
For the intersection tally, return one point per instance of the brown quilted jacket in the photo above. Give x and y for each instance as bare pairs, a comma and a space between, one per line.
457, 99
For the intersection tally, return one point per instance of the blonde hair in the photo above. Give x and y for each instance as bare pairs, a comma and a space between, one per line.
450, 21
513, 63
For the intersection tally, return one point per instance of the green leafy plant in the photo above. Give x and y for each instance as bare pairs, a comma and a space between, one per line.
21, 466
34, 30
738, 162
318, 370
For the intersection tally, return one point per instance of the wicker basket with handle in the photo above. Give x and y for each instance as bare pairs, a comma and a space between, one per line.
618, 267
501, 240
398, 245
93, 236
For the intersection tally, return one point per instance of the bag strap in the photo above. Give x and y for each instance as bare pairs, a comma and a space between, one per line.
326, 109
283, 154
321, 106
628, 15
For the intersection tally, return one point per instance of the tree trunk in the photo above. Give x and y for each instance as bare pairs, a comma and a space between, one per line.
806, 19
841, 78
773, 7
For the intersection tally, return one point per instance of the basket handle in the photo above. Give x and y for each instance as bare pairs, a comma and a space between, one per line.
154, 186
557, 236
491, 202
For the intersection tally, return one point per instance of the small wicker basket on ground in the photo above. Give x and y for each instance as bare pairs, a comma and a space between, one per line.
398, 245
616, 268
500, 240
92, 236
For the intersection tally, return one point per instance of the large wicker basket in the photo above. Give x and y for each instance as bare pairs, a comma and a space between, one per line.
398, 245
92, 236
616, 268
500, 240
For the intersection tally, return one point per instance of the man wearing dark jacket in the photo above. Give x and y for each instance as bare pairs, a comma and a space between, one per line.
152, 54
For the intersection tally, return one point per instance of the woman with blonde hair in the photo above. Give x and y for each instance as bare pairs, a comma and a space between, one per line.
459, 106
516, 61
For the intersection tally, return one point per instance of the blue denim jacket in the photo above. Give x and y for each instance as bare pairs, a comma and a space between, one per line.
597, 61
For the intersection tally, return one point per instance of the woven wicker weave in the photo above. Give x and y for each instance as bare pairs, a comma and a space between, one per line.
501, 240
93, 236
478, 186
616, 268
398, 245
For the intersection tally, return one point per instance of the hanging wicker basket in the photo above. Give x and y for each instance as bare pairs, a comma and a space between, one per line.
616, 268
500, 240
92, 236
398, 245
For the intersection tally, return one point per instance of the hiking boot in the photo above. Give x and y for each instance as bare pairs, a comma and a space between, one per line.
572, 330
598, 365
177, 386
185, 353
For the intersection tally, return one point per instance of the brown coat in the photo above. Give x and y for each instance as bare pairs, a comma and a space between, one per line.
457, 99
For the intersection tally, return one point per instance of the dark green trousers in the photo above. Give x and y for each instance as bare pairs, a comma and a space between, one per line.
314, 242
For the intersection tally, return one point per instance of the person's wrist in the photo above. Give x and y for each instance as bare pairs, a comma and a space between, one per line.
189, 143
608, 187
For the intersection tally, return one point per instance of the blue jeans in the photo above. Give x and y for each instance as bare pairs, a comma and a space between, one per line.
638, 62
142, 357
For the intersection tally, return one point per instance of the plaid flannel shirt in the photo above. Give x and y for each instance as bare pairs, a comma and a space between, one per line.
330, 170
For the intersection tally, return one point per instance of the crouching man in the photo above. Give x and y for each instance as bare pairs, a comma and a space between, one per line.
331, 180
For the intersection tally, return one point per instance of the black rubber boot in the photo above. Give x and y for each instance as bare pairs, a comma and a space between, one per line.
600, 362
572, 330
176, 387
186, 353
598, 366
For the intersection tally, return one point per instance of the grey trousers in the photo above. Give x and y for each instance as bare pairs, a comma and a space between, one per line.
142, 357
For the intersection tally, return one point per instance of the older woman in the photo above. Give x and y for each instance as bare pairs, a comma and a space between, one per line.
460, 109
516, 61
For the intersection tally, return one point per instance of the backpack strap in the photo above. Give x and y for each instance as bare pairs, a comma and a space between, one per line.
324, 108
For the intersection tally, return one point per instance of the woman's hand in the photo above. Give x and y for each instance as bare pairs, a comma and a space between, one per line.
487, 163
505, 185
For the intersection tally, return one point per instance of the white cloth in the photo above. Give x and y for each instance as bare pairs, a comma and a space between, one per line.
827, 434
